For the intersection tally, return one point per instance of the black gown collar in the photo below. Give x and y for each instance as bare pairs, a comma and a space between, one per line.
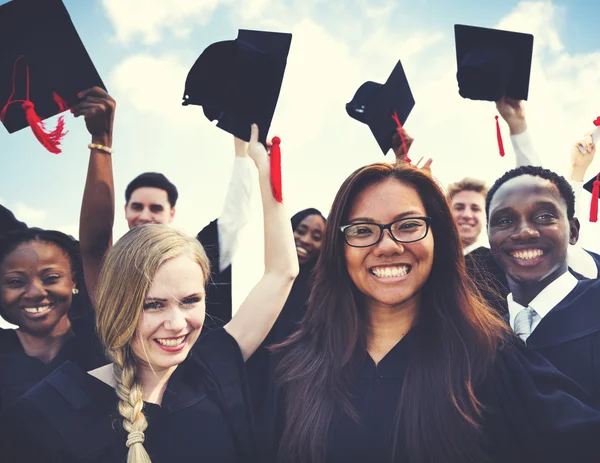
576, 316
393, 364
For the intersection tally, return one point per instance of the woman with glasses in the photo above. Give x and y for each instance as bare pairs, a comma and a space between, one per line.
399, 360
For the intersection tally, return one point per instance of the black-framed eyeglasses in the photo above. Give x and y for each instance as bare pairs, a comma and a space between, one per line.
365, 234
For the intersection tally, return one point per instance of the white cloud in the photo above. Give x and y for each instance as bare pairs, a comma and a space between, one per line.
538, 18
30, 215
153, 86
149, 19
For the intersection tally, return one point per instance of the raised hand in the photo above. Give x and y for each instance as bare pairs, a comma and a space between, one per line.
98, 109
426, 166
398, 147
241, 147
581, 161
256, 150
513, 112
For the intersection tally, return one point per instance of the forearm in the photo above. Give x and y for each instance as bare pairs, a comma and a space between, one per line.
260, 309
97, 210
280, 249
525, 154
236, 210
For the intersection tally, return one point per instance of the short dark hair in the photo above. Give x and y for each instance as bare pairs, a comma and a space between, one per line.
152, 180
561, 183
467, 184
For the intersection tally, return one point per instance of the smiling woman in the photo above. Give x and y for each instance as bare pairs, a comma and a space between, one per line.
398, 359
169, 394
39, 285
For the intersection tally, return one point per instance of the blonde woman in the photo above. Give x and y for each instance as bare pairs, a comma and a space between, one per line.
165, 397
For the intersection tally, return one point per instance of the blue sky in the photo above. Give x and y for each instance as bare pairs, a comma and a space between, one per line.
144, 48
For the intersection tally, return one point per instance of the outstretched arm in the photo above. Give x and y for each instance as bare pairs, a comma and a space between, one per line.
578, 259
260, 309
513, 112
236, 210
98, 205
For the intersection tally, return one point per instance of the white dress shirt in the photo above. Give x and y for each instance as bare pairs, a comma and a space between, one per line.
481, 242
577, 258
524, 150
236, 210
545, 301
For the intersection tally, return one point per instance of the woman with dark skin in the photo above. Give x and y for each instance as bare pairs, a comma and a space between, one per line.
309, 227
398, 359
39, 286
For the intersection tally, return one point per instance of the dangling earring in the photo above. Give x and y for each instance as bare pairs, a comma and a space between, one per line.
75, 291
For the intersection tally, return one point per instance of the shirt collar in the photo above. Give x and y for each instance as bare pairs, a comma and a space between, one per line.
547, 299
477, 244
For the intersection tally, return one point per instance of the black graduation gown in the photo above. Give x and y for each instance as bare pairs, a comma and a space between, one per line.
72, 416
218, 290
261, 366
596, 258
532, 412
569, 336
20, 371
488, 277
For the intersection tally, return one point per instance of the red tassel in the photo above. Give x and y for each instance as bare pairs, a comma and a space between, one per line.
50, 140
276, 170
594, 204
400, 132
62, 104
499, 137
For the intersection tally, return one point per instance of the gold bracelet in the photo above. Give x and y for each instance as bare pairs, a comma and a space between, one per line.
95, 146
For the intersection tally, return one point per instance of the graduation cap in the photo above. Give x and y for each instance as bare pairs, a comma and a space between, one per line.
384, 107
237, 82
593, 186
492, 63
43, 66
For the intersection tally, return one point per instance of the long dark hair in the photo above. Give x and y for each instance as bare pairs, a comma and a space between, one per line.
438, 415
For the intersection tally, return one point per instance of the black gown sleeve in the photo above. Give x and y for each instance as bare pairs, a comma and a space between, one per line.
536, 414
218, 355
218, 292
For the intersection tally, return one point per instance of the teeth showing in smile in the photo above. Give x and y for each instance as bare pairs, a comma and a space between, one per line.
301, 251
390, 272
527, 254
171, 342
41, 309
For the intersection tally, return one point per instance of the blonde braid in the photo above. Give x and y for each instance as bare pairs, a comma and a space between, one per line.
130, 407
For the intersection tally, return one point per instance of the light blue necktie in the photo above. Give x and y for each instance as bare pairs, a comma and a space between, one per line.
523, 322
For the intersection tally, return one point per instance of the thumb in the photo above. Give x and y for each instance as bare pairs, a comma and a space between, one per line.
253, 133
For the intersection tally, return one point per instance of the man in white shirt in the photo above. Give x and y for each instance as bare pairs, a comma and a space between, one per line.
467, 202
549, 309
151, 198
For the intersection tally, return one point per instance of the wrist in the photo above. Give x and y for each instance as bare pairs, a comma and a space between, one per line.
517, 127
577, 174
104, 139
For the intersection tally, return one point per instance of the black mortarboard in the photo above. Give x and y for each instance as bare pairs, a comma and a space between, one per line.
375, 105
237, 82
42, 60
589, 186
492, 63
